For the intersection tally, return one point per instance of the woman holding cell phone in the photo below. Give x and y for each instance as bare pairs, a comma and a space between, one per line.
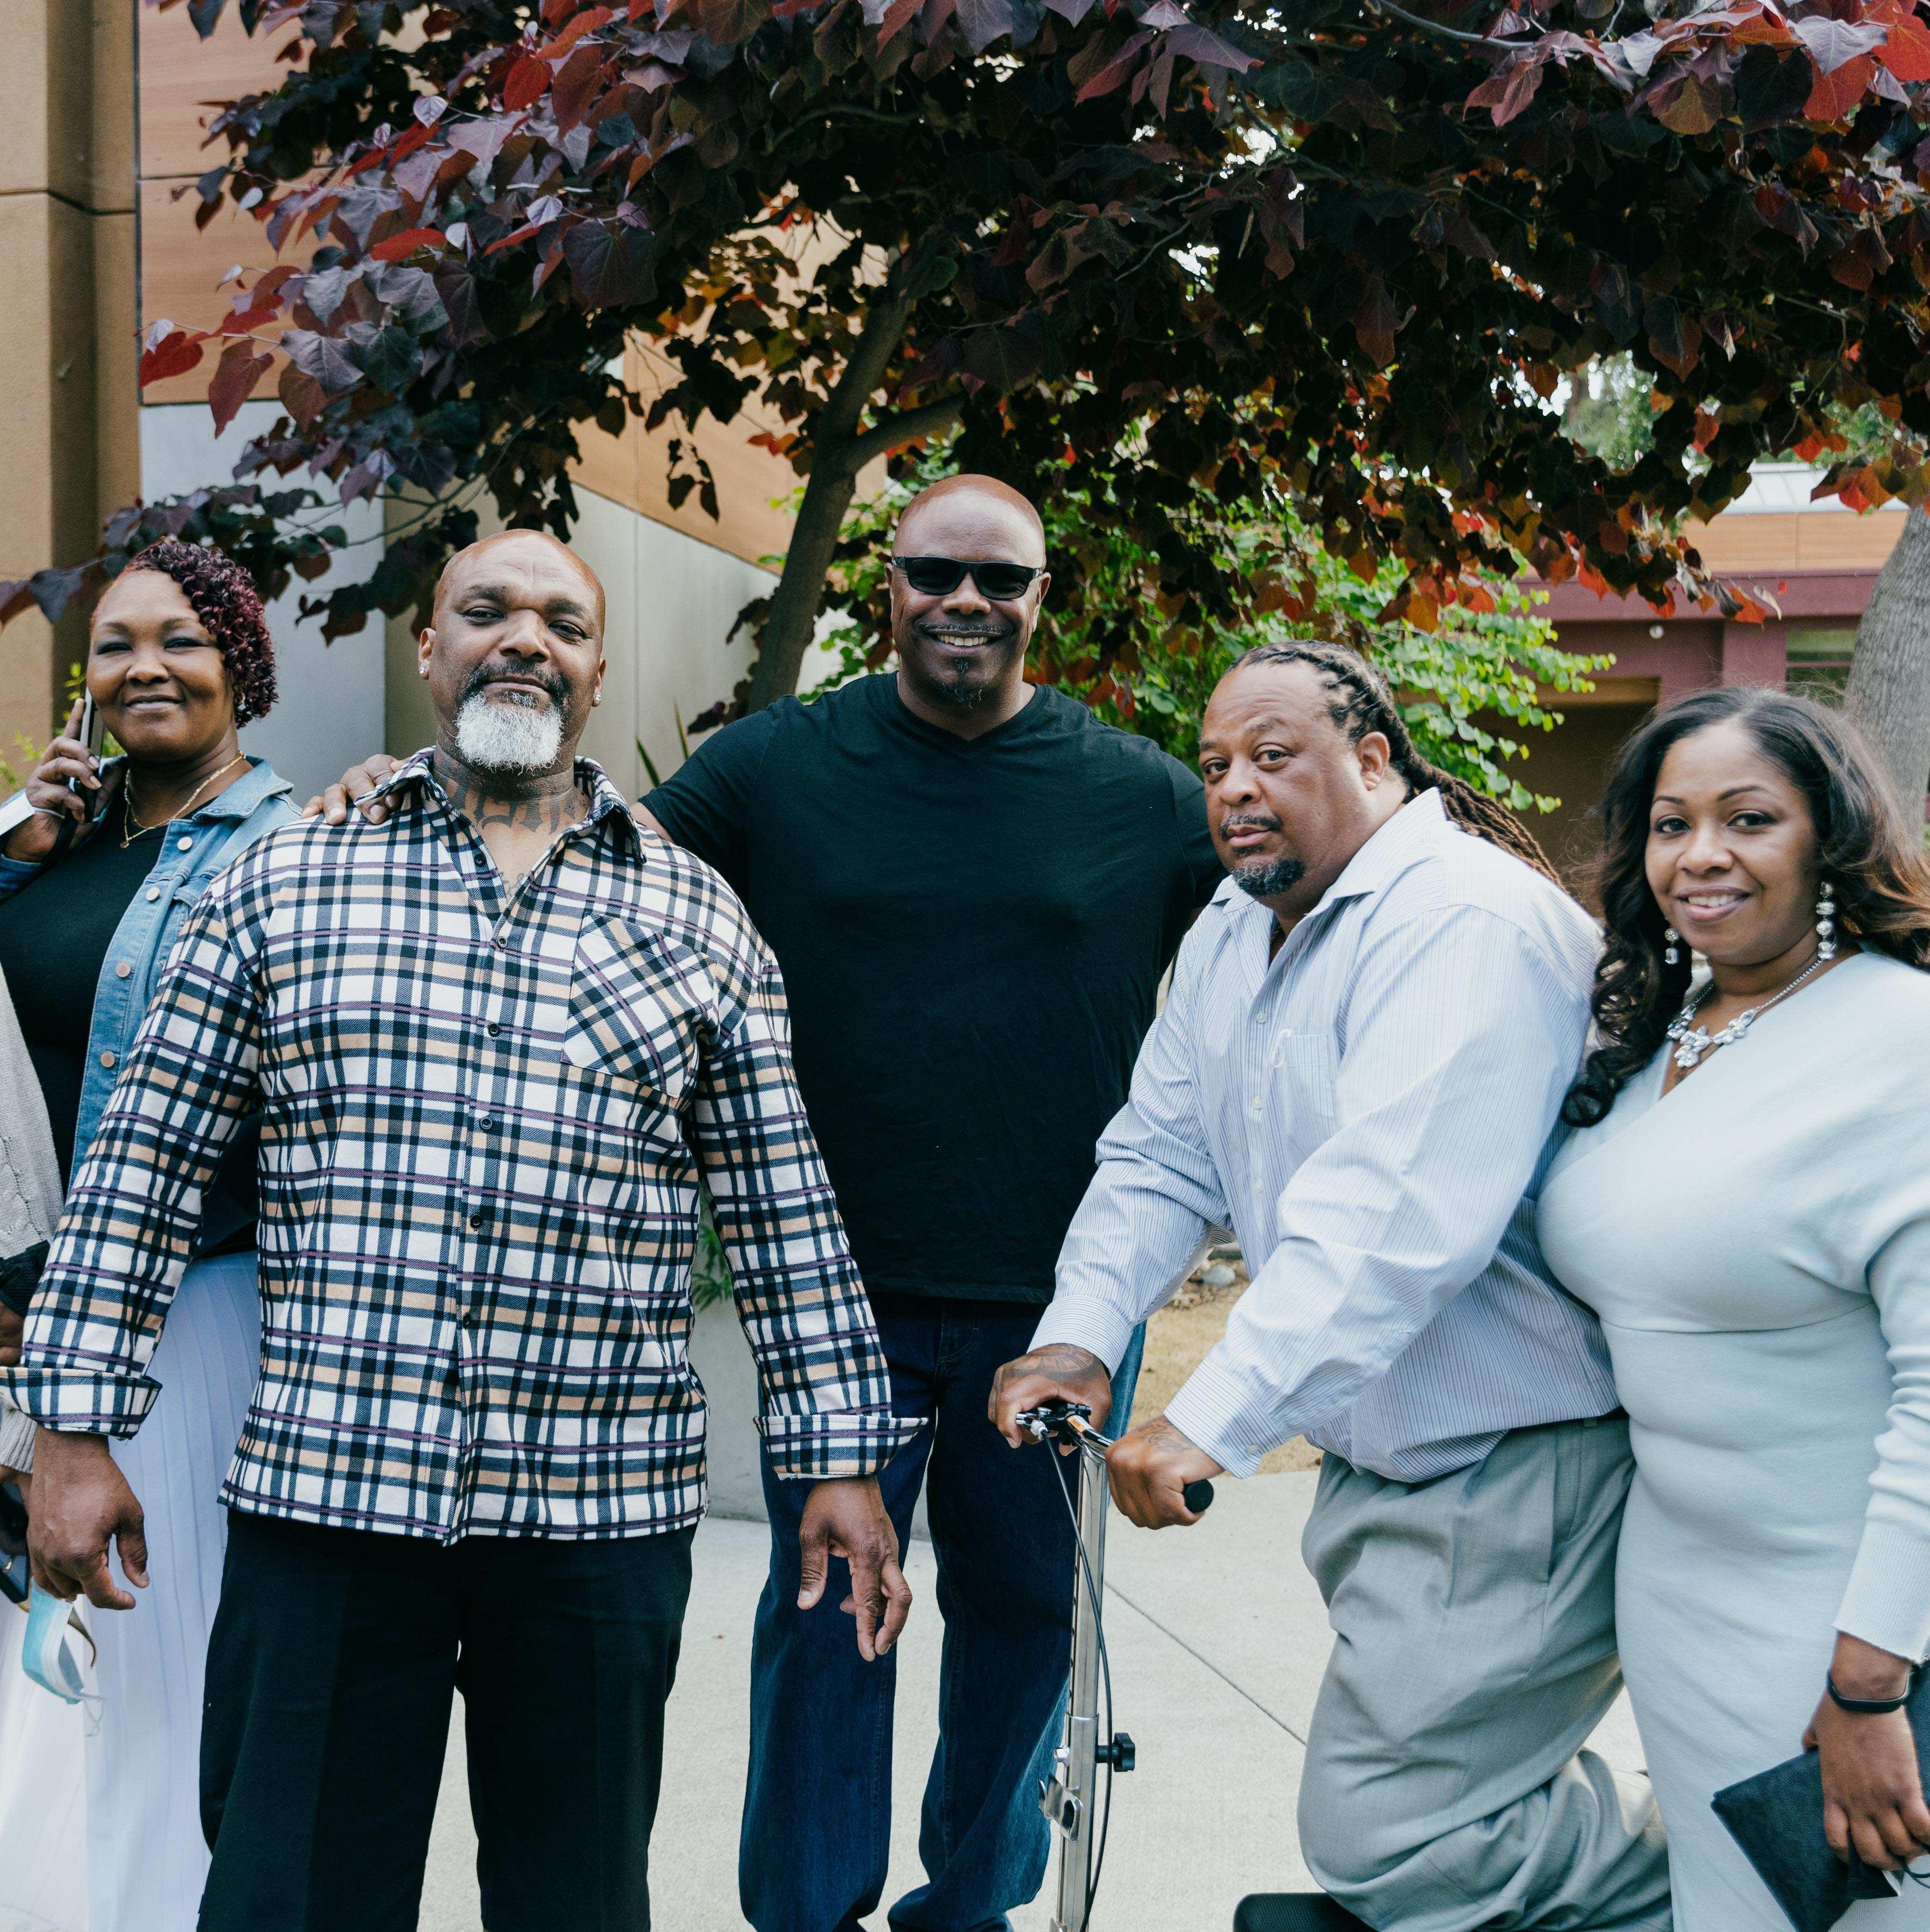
94, 883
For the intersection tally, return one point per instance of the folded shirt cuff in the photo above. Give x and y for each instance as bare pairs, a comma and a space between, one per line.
80, 1401
15, 873
818, 1447
1217, 1411
1888, 1600
17, 1438
1087, 1322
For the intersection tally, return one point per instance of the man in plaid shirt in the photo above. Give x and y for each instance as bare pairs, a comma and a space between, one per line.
496, 1042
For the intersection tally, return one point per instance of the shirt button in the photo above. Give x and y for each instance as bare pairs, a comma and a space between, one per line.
107, 1060
125, 967
154, 892
502, 939
493, 1029
487, 1123
480, 1219
184, 845
469, 1322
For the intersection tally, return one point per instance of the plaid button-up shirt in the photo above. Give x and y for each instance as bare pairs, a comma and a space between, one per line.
484, 1118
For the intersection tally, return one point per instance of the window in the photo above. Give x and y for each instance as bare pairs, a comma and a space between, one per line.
1819, 661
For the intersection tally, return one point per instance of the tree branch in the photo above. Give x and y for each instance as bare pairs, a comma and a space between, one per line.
1446, 32
864, 370
906, 426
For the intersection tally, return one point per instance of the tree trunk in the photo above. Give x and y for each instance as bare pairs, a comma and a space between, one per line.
1890, 676
835, 461
792, 620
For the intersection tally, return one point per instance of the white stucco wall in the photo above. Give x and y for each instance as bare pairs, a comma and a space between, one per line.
329, 712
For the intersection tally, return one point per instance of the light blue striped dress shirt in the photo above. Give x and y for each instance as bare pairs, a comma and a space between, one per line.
1371, 1112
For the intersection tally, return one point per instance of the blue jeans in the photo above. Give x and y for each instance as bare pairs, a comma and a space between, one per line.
817, 1812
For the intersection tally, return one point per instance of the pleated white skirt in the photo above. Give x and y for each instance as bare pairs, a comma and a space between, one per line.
146, 1860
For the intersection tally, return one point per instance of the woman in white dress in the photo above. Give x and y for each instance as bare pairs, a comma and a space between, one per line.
1745, 1203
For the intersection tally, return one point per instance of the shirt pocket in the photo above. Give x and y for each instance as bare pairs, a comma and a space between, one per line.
1302, 1072
637, 1010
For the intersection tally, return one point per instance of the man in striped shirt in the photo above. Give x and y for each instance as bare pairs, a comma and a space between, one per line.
1365, 1051
497, 1042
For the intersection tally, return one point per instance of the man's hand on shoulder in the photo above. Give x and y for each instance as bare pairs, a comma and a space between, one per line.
353, 787
847, 1517
1150, 1467
1060, 1371
81, 1503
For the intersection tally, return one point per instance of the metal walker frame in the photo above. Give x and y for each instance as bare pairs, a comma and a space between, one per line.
1071, 1797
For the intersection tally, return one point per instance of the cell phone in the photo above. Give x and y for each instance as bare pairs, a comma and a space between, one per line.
92, 733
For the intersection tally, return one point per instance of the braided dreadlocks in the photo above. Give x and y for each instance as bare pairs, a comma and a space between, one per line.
1362, 702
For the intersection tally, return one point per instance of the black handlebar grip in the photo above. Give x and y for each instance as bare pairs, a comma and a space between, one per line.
1198, 1497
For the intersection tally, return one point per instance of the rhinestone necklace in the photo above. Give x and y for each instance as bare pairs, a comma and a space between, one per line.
1692, 1043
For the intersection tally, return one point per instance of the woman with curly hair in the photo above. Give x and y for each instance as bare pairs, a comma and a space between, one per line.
1746, 1204
93, 887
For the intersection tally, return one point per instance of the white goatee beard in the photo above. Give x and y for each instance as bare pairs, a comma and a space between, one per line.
514, 738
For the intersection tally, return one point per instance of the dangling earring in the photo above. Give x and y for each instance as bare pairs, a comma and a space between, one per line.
1826, 921
1672, 952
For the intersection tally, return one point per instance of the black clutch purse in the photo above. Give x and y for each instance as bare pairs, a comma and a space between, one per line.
1777, 1818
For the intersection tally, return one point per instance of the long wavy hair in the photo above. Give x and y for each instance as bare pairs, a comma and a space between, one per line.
1362, 702
1865, 848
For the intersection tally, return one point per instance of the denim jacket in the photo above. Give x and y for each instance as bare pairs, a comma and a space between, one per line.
191, 852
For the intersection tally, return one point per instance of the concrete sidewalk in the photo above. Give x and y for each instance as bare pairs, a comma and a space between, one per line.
1217, 1639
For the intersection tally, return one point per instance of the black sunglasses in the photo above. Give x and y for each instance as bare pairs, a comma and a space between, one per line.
939, 576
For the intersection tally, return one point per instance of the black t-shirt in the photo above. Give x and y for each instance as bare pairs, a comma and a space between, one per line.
54, 936
972, 933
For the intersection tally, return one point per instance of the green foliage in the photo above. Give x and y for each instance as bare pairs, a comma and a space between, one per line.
710, 1266
1607, 411
1114, 647
29, 754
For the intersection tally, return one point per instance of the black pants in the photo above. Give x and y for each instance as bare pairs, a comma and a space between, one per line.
330, 1671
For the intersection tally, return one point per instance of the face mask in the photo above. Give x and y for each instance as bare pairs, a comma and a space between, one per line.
47, 1655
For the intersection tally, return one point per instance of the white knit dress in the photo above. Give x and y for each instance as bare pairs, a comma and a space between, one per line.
1757, 1243
43, 1776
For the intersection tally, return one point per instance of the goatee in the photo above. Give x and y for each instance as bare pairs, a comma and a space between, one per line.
515, 739
1268, 879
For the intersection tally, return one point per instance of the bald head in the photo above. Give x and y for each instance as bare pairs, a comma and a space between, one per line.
961, 650
512, 550
514, 655
993, 511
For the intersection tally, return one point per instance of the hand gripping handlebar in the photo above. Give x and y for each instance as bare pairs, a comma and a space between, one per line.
1071, 1423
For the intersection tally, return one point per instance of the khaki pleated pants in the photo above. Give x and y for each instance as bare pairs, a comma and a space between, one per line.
1445, 1787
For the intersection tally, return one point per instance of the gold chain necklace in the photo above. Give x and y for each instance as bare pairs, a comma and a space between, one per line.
128, 814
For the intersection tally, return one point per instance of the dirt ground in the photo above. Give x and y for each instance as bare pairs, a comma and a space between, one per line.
1177, 1339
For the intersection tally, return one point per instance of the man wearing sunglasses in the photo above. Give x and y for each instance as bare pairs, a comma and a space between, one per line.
972, 887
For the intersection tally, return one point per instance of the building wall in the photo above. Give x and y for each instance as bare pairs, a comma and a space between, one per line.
328, 714
66, 229
1813, 564
110, 101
